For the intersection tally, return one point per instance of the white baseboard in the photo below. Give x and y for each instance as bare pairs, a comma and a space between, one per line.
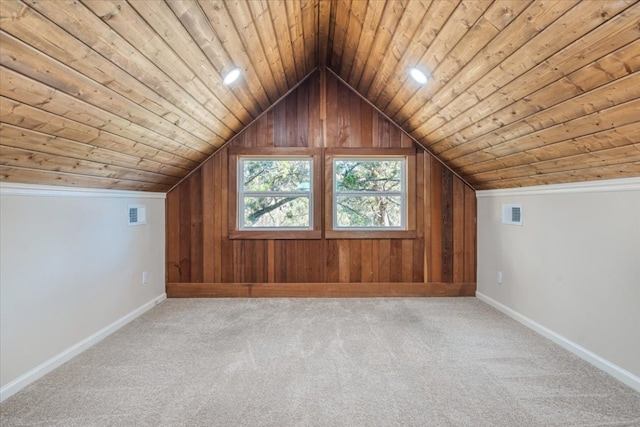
39, 371
615, 371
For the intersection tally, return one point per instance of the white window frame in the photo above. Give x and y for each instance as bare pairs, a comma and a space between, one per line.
242, 193
402, 193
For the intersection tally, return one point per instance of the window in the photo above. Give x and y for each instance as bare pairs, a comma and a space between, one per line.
289, 193
369, 193
275, 193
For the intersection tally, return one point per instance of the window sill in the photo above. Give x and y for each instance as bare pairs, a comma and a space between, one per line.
275, 235
372, 234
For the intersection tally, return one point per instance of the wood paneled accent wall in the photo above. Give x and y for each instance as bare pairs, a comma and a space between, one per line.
321, 112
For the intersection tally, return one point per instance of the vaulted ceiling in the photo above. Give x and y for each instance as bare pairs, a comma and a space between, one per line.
129, 94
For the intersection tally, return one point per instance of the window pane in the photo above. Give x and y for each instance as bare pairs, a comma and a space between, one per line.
276, 212
366, 175
276, 175
367, 211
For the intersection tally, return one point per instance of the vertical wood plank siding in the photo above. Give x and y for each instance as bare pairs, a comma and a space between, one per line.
201, 255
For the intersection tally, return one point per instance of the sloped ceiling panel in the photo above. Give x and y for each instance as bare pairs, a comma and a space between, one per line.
129, 94
520, 93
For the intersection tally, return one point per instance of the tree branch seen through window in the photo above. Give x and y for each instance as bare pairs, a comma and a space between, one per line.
369, 193
275, 193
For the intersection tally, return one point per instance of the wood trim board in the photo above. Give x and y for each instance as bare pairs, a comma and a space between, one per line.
320, 290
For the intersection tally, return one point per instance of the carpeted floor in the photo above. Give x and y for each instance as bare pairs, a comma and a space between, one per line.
324, 362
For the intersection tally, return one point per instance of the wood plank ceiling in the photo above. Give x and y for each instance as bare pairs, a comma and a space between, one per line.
129, 94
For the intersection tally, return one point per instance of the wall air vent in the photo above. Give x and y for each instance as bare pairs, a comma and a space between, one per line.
137, 214
512, 214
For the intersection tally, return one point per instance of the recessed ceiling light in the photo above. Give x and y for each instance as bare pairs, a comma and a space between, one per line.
418, 75
231, 76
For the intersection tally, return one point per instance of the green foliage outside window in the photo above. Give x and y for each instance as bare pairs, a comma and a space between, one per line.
369, 193
275, 193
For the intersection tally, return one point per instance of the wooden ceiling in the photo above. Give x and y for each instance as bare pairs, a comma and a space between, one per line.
129, 94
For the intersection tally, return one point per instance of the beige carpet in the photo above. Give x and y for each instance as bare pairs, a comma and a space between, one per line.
324, 362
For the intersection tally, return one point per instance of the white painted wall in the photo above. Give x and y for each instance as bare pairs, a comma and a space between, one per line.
71, 272
572, 267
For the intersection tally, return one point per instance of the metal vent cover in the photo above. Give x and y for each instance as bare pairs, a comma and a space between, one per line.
137, 214
512, 214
